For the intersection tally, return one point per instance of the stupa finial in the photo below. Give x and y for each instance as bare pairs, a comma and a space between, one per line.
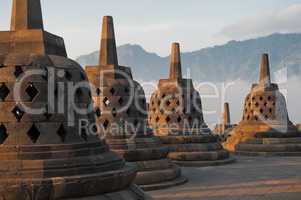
175, 71
108, 52
265, 76
26, 14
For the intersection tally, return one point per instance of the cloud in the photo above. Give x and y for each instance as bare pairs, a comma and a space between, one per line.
281, 21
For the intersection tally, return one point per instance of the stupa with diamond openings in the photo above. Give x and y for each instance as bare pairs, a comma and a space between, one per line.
265, 128
176, 117
222, 130
45, 154
120, 109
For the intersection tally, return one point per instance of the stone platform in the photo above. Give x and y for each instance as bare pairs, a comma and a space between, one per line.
251, 178
155, 170
200, 151
270, 147
132, 193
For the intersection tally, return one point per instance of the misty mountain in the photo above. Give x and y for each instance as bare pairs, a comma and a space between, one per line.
232, 61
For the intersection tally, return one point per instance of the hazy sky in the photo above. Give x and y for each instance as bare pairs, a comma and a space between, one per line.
154, 24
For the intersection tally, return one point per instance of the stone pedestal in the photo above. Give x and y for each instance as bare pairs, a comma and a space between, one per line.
155, 170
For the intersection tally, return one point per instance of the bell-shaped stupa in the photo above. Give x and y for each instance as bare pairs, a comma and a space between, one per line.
121, 112
175, 115
45, 152
265, 128
223, 129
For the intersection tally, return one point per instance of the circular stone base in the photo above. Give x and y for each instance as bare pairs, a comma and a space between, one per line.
163, 185
132, 193
205, 163
269, 154
270, 147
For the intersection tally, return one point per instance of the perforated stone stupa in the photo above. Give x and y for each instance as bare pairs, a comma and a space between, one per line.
44, 154
175, 115
120, 109
265, 128
223, 130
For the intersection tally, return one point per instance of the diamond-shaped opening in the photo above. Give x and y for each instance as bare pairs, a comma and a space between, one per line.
178, 102
269, 98
32, 91
270, 110
168, 119
112, 91
114, 112
106, 124
128, 112
261, 110
136, 122
98, 91
157, 119
3, 134
4, 91
162, 111
95, 128
256, 118
18, 71
179, 119
98, 112
84, 134
68, 75
106, 101
33, 133
62, 133
18, 113
163, 96
120, 101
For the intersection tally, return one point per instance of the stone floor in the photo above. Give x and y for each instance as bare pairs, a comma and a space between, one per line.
251, 178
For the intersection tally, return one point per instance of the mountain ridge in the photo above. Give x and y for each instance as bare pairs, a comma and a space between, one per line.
231, 61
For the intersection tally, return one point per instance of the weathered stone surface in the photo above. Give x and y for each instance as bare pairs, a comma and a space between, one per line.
251, 178
46, 155
223, 130
265, 117
175, 114
120, 102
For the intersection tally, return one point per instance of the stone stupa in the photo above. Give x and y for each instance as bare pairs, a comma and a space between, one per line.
175, 115
223, 130
265, 128
44, 154
121, 112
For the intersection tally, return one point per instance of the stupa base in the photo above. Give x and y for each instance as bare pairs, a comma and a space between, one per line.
270, 147
205, 163
155, 171
132, 193
196, 150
